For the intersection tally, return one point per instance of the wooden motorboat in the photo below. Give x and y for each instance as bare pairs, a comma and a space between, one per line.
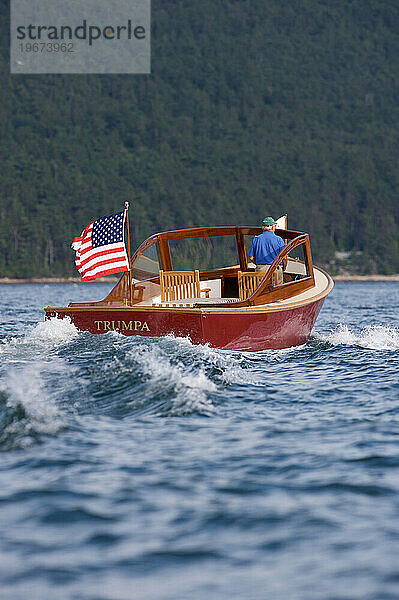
197, 283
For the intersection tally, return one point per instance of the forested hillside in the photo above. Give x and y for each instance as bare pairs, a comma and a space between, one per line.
253, 107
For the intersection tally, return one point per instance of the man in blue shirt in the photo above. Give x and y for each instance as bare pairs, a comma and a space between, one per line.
265, 247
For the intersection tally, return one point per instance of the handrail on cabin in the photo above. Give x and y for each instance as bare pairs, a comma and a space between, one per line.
266, 285
280, 257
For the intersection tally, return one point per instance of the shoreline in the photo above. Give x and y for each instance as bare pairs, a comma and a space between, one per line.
63, 280
366, 277
52, 280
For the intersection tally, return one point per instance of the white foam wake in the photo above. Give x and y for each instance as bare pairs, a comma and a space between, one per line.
190, 389
26, 363
24, 388
54, 331
230, 367
373, 337
38, 339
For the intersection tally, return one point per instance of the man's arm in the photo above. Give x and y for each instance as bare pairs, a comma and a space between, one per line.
251, 253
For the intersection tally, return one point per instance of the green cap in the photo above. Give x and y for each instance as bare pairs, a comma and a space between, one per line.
269, 221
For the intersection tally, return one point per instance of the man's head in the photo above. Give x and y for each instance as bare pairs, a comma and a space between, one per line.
269, 224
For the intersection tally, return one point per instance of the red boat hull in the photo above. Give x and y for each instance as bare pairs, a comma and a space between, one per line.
261, 331
226, 329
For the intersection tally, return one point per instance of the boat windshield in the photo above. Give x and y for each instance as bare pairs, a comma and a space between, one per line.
204, 253
247, 243
147, 264
298, 263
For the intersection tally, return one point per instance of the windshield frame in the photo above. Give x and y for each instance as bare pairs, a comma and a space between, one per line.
164, 254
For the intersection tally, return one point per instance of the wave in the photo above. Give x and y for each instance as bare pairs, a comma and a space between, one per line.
54, 330
38, 338
188, 392
166, 376
224, 367
28, 409
116, 375
33, 380
372, 337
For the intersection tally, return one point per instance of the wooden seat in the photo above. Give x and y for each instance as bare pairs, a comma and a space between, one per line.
178, 285
248, 282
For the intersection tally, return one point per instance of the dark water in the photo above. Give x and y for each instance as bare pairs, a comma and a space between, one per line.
157, 470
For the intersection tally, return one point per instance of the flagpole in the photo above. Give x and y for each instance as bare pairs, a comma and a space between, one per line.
128, 253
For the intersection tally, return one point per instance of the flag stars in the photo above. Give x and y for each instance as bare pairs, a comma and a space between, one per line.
108, 230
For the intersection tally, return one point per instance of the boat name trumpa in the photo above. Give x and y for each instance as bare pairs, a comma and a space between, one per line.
121, 326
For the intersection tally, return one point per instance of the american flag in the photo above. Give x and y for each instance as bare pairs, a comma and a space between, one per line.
100, 250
